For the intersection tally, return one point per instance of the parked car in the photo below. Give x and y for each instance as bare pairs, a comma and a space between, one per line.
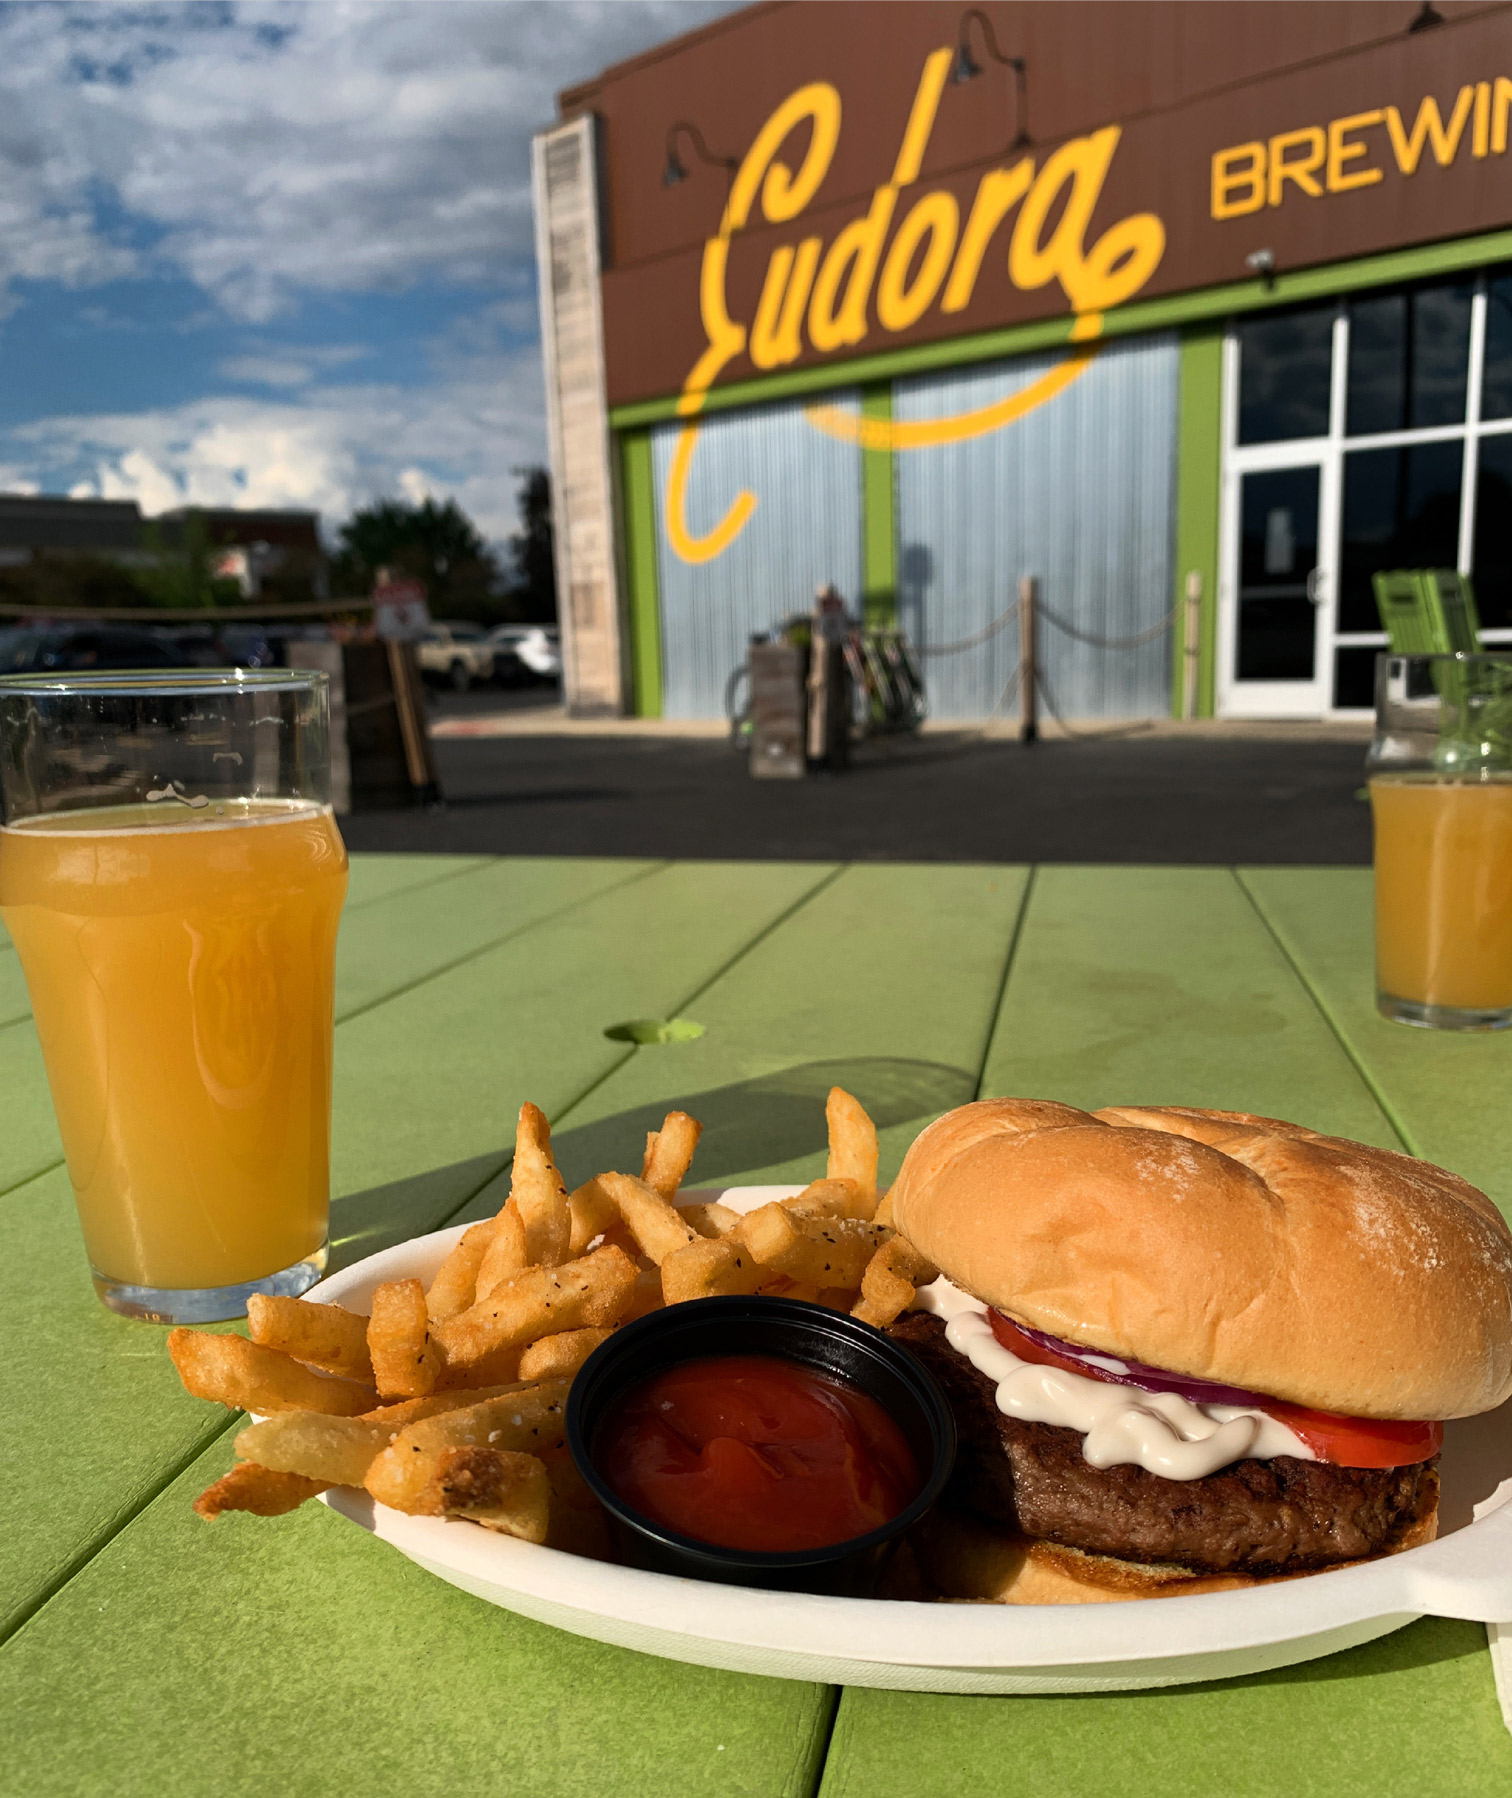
70, 648
456, 653
527, 651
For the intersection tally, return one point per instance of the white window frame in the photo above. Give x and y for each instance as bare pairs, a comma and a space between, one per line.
1314, 699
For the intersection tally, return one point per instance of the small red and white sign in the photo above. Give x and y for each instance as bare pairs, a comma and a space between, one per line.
400, 612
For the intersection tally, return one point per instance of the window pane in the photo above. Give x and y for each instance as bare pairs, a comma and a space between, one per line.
1377, 365
1496, 388
1401, 510
1493, 533
1409, 359
1284, 364
1354, 675
1278, 550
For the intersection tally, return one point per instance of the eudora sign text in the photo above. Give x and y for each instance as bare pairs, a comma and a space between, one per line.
897, 269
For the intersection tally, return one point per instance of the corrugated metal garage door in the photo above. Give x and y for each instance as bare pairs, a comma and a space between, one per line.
1081, 492
806, 530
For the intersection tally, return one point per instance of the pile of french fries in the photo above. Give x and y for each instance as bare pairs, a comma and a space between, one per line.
449, 1401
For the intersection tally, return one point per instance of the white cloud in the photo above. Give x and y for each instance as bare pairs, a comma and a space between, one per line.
332, 449
288, 365
271, 149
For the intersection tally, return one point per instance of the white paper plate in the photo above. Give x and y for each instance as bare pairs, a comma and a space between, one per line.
1466, 1573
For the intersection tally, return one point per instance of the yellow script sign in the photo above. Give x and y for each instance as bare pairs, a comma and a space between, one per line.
827, 292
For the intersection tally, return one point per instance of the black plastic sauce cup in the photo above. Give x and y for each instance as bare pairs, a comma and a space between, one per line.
827, 1342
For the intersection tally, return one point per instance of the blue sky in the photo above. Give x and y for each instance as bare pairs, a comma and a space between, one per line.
281, 254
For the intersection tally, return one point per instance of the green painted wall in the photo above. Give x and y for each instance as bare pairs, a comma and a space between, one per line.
879, 530
638, 498
1199, 456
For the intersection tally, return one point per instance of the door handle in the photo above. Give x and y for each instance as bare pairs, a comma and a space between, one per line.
1315, 585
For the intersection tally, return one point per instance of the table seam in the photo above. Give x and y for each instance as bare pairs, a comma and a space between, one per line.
1015, 936
424, 886
1356, 1060
89, 1551
461, 961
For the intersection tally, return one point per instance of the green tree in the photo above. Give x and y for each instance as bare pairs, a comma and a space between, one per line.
437, 544
532, 596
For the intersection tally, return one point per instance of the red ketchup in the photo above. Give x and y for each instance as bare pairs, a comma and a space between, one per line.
754, 1452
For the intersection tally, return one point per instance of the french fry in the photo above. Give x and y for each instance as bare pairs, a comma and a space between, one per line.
591, 1292
829, 1198
244, 1376
882, 1217
707, 1269
500, 1367
852, 1145
455, 1286
889, 1282
559, 1357
520, 1421
669, 1152
406, 1359
712, 1220
592, 1212
655, 1223
260, 1490
506, 1254
321, 1335
537, 1192
502, 1490
828, 1251
338, 1451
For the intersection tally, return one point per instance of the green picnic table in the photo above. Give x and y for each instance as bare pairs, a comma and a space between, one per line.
145, 1651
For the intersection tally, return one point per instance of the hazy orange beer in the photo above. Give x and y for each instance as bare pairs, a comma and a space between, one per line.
179, 951
1441, 802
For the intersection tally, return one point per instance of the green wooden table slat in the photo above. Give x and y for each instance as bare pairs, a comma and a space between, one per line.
301, 1657
1412, 1712
14, 1003
886, 983
399, 938
1451, 1093
381, 876
403, 1159
429, 1085
1160, 986
198, 1646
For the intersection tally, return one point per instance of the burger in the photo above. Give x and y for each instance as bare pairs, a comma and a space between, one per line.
1190, 1350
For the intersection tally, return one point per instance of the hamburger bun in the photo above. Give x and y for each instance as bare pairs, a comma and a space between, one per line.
962, 1556
1226, 1247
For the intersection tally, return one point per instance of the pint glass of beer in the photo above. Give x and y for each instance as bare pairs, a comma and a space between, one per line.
172, 876
1441, 797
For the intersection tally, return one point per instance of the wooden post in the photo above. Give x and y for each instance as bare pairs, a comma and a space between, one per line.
1028, 695
1191, 644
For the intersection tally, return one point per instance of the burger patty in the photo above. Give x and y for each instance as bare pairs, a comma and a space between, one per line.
1255, 1517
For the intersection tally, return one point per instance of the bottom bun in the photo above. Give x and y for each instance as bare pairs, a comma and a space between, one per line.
962, 1558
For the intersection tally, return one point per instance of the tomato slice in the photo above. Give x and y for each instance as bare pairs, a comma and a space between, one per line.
1345, 1441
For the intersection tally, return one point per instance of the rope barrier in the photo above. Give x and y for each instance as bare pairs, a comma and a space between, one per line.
1145, 636
982, 636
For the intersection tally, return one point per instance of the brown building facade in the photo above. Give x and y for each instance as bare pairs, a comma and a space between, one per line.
1200, 313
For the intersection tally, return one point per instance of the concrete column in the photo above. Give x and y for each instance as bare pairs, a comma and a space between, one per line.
565, 177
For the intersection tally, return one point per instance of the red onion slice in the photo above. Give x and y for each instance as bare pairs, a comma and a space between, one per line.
1148, 1379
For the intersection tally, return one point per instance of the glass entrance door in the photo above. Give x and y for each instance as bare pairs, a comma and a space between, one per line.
1277, 582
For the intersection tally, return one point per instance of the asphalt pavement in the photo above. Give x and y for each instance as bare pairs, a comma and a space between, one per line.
1130, 796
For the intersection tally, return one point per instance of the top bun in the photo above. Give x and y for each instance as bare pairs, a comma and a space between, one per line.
1225, 1247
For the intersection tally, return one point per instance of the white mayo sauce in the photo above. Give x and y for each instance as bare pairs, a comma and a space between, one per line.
1159, 1431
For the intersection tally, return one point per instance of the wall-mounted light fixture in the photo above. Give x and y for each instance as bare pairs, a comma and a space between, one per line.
676, 170
967, 68
1263, 264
